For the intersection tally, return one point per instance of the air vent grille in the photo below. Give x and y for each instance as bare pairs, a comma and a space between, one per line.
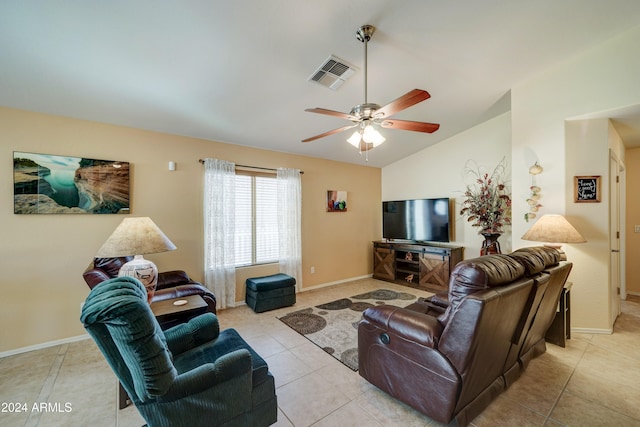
333, 73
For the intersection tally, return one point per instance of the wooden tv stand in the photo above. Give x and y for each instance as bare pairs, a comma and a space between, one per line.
424, 266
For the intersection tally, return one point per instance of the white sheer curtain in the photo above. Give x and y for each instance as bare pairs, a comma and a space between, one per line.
219, 230
289, 224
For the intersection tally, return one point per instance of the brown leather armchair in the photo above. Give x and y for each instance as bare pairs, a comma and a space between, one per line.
448, 360
171, 284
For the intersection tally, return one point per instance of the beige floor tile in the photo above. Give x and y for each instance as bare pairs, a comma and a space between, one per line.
15, 417
264, 345
282, 421
287, 336
506, 412
541, 384
576, 411
312, 355
345, 380
23, 376
389, 411
606, 392
350, 415
610, 365
286, 367
572, 353
309, 399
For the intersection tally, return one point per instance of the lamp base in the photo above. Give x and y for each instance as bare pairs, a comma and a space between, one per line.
143, 270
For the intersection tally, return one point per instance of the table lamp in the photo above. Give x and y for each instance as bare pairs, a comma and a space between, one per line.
554, 229
137, 236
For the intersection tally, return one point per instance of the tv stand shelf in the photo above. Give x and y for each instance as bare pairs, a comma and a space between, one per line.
424, 266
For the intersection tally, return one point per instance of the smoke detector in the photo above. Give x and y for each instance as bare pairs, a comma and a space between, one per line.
333, 72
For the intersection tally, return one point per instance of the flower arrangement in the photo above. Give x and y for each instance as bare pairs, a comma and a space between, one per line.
487, 203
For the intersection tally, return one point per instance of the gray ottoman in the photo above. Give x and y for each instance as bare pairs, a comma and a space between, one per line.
270, 292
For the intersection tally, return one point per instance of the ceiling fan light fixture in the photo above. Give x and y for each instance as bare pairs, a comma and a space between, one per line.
372, 136
355, 139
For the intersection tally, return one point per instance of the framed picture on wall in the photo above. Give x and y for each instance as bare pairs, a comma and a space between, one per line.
336, 201
51, 184
586, 189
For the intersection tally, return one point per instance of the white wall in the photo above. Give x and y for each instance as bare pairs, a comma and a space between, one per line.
438, 171
601, 79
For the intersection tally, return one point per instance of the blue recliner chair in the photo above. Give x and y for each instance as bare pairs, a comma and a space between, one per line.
190, 375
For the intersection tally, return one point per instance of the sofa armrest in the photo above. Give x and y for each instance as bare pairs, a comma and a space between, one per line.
230, 366
411, 325
441, 299
197, 331
169, 279
94, 276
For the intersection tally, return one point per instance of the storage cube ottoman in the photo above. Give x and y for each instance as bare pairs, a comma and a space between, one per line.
270, 292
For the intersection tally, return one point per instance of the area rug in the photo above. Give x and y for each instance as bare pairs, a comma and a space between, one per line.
334, 326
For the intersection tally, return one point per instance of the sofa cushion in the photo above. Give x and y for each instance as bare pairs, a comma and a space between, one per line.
476, 274
536, 258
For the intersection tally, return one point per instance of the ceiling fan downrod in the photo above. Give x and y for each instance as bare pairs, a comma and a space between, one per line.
364, 34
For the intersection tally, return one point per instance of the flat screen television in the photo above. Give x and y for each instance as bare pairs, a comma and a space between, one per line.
423, 220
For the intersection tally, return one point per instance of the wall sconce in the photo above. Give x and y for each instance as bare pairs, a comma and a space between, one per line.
172, 166
533, 200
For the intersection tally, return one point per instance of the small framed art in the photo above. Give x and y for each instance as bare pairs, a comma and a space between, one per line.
586, 189
336, 201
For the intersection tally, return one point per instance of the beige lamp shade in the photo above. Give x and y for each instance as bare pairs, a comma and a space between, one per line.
135, 236
553, 229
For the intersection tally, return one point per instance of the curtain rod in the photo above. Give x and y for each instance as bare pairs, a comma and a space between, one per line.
251, 167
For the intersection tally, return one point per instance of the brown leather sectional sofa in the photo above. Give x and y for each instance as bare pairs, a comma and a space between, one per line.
171, 284
450, 357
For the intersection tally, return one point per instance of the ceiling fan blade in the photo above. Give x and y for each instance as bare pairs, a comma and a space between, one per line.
331, 132
405, 101
331, 113
409, 125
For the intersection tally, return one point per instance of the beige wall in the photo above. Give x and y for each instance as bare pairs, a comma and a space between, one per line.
44, 255
632, 163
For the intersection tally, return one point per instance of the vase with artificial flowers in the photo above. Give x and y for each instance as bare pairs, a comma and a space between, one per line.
487, 203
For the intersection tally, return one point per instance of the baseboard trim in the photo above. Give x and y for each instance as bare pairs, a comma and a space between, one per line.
592, 331
337, 282
43, 345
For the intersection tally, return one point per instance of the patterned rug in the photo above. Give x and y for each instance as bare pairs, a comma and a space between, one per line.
334, 326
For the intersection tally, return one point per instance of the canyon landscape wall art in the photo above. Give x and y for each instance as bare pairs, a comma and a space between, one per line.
49, 184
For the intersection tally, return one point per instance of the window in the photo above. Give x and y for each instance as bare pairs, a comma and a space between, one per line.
256, 236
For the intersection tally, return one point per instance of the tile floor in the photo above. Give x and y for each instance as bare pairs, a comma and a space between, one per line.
594, 381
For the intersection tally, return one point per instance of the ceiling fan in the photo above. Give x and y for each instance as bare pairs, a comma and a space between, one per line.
367, 115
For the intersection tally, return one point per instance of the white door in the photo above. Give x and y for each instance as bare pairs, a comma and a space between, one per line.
614, 236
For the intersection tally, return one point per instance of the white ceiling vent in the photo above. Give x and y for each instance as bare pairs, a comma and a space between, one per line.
333, 73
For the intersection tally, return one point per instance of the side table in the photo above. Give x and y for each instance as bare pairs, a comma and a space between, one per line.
169, 313
560, 330
166, 312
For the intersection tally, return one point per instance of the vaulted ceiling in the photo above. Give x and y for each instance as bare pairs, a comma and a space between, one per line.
237, 71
